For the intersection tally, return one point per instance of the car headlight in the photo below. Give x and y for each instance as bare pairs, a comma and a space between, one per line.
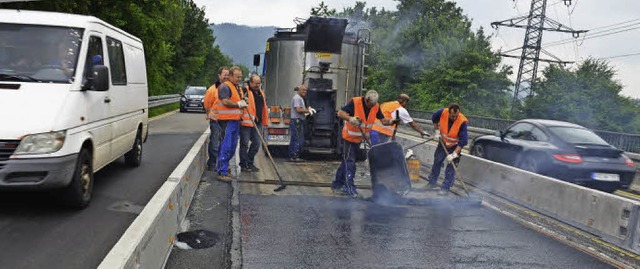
183, 99
41, 143
202, 100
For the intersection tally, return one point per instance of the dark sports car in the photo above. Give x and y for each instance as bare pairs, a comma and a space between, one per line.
560, 150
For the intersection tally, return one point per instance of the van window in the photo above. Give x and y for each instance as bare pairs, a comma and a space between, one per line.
116, 62
95, 56
36, 53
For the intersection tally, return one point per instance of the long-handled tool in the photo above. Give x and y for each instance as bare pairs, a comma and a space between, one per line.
367, 146
395, 126
264, 144
423, 142
455, 168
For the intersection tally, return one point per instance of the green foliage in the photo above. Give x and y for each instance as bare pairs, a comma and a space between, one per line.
323, 10
178, 42
245, 70
427, 49
588, 96
160, 110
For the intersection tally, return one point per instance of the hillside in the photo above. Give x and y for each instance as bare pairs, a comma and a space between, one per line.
241, 42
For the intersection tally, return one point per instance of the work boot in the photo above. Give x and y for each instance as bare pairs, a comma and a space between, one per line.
224, 178
443, 192
246, 169
254, 168
432, 187
339, 191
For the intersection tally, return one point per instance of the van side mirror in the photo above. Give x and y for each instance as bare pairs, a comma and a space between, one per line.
99, 81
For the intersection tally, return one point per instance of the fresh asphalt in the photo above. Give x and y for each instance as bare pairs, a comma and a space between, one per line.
36, 232
331, 232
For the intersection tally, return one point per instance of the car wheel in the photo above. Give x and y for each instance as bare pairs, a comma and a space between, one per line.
133, 158
78, 193
529, 163
478, 150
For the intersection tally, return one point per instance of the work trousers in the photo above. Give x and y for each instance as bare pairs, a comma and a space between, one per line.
296, 132
449, 173
249, 145
347, 170
215, 138
228, 146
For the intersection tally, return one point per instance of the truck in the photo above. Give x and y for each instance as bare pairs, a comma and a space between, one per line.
321, 54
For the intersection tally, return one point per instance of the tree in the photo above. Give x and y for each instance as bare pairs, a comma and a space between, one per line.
323, 10
177, 40
427, 49
589, 96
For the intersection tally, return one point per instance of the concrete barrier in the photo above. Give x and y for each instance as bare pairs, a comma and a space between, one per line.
148, 241
613, 218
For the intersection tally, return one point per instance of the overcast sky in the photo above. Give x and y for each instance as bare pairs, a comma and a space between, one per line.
582, 15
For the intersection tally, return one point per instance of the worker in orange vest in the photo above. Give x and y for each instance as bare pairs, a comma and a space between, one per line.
210, 99
229, 109
450, 125
249, 134
358, 115
381, 133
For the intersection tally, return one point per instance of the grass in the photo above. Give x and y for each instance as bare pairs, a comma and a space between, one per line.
163, 109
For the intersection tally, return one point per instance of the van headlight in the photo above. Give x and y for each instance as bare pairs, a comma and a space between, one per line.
41, 143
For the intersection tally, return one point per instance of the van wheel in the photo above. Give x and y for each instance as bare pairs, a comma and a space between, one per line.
78, 193
133, 158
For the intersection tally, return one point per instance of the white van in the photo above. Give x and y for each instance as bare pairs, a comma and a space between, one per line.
73, 98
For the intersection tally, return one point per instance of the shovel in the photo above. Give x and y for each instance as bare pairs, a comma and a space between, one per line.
264, 144
455, 168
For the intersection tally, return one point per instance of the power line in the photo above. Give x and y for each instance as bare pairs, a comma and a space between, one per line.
557, 43
575, 42
629, 23
607, 26
623, 55
562, 41
574, 8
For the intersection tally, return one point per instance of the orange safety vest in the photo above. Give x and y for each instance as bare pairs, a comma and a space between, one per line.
230, 113
210, 100
247, 118
352, 133
450, 137
387, 108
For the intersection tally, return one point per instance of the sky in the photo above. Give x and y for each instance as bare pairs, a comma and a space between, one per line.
580, 15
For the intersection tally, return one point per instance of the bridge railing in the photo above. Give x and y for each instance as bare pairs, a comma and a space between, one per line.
160, 100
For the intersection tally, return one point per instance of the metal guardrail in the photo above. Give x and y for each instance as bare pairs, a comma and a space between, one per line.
626, 142
160, 100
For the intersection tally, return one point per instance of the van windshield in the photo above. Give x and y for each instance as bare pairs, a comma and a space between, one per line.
36, 53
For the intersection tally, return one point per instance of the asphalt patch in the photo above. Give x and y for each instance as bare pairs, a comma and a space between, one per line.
199, 239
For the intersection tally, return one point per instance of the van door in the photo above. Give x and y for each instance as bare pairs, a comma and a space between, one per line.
125, 108
98, 105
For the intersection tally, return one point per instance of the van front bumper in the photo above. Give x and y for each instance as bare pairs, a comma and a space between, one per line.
37, 174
